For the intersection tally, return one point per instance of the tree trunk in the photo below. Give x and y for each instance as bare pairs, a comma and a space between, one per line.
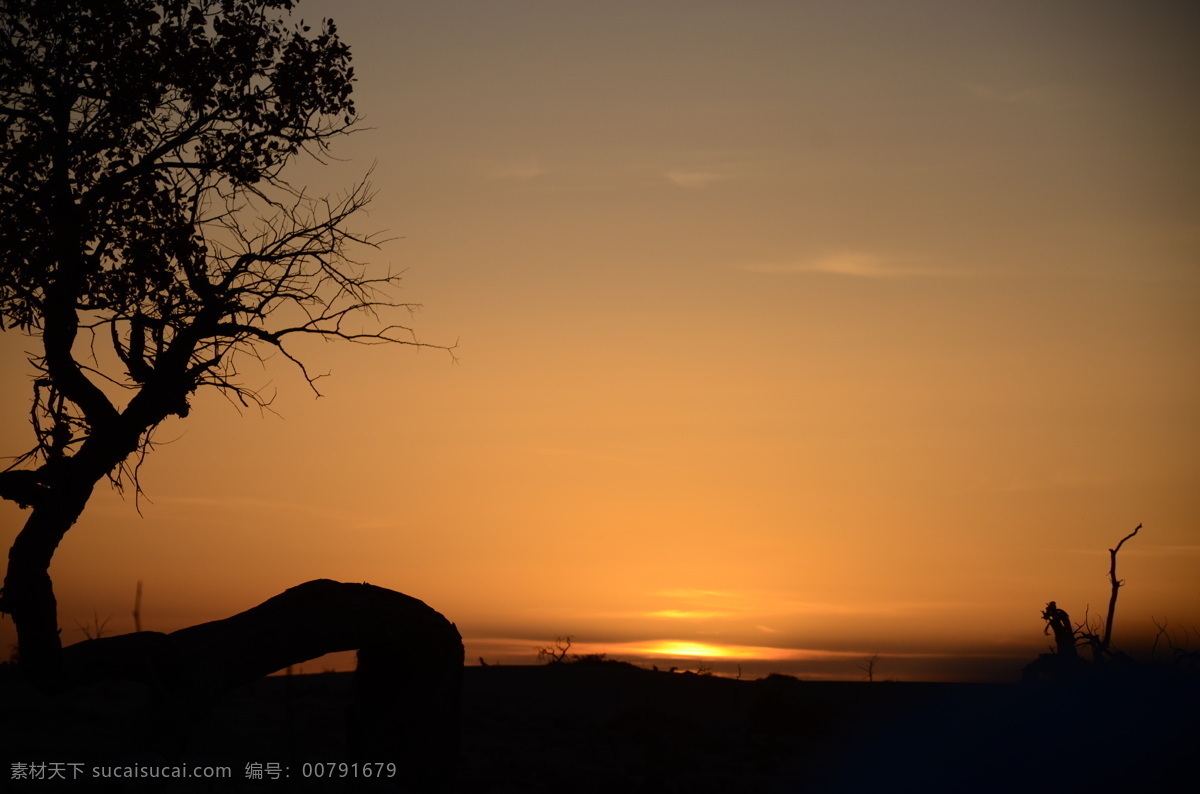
405, 709
1116, 586
59, 491
28, 590
1058, 621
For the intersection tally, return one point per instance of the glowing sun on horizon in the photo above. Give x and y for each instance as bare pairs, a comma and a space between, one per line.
676, 648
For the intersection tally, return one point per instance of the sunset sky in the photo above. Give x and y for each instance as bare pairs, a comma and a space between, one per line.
786, 331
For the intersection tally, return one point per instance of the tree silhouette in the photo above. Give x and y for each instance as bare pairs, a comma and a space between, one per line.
1068, 637
150, 243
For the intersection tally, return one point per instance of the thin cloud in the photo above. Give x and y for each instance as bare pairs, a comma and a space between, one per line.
687, 614
521, 170
1053, 482
699, 594
852, 264
764, 605
695, 179
251, 505
1028, 96
1166, 551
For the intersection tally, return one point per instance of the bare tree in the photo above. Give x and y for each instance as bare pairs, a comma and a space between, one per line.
1068, 637
1178, 643
1117, 584
151, 245
556, 653
868, 666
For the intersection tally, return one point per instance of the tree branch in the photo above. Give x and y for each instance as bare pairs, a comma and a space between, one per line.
1116, 585
23, 487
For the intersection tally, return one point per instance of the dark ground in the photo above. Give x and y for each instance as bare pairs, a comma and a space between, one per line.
618, 728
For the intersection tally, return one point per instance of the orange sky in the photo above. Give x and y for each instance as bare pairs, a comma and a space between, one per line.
818, 327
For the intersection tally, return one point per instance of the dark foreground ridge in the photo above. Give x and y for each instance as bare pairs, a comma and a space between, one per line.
613, 727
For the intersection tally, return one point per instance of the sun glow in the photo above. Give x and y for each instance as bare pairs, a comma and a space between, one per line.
688, 649
686, 614
677, 648
703, 650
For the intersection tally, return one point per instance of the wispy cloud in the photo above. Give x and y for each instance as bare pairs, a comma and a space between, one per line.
854, 264
1167, 551
707, 612
518, 169
697, 594
695, 179
1060, 481
687, 614
758, 605
1028, 96
254, 506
